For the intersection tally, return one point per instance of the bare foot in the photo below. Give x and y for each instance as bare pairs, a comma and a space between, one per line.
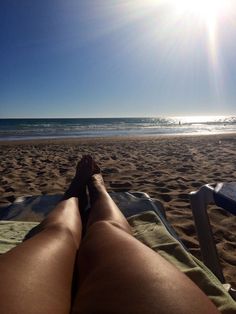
96, 184
77, 188
83, 173
84, 170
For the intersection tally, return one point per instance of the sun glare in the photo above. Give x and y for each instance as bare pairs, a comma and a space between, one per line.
209, 13
205, 9
183, 29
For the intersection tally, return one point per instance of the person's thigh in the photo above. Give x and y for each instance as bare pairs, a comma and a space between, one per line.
37, 275
119, 274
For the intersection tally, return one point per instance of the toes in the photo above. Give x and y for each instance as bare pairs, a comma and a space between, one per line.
85, 161
89, 161
96, 168
89, 165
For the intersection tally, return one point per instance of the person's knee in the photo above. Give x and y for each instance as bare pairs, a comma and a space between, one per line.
59, 230
102, 238
108, 225
99, 231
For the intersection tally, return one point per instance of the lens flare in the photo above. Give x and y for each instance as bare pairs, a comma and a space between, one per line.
182, 31
210, 14
206, 9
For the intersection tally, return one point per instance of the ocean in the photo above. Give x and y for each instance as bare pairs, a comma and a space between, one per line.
22, 129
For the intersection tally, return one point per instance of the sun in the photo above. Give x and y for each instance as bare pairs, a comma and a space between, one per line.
208, 12
205, 9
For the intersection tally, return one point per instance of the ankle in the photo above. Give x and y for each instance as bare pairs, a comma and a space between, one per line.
96, 191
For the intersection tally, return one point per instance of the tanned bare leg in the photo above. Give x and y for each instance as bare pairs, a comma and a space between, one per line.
119, 274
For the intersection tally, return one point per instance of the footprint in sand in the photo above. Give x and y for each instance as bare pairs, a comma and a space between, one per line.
9, 189
114, 157
123, 185
165, 197
110, 170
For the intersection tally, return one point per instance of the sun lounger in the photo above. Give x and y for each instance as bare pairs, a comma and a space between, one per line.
224, 196
147, 219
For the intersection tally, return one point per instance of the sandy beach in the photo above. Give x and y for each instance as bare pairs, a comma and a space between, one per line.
167, 168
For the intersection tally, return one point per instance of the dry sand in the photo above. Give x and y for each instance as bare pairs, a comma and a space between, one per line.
167, 168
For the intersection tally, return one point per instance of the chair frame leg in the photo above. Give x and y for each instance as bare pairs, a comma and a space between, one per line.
199, 201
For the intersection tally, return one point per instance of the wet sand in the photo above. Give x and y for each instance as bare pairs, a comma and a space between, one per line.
167, 168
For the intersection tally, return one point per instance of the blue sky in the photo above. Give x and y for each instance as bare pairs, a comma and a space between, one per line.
103, 58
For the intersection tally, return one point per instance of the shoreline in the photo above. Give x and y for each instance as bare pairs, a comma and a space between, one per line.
166, 168
72, 140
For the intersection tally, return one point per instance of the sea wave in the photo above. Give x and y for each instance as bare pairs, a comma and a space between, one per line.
64, 128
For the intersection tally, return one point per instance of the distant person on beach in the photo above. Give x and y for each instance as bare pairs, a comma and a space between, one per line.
106, 271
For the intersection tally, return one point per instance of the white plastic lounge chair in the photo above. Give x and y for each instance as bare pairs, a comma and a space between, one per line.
224, 196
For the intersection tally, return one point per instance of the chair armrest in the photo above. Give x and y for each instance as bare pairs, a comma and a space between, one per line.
225, 196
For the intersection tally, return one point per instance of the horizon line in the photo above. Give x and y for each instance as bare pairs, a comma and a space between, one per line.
128, 117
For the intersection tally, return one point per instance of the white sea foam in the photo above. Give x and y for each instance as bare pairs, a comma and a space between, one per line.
63, 128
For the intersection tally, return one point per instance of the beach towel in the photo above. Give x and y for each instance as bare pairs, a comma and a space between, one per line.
149, 229
148, 224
